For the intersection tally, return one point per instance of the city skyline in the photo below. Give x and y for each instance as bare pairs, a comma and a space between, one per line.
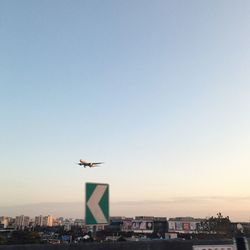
169, 209
159, 91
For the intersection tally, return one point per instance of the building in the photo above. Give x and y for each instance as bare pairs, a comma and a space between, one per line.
160, 226
143, 224
127, 224
115, 224
185, 225
79, 222
39, 221
44, 221
22, 222
4, 222
48, 221
68, 223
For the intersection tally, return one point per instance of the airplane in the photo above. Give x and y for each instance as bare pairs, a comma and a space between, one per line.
89, 164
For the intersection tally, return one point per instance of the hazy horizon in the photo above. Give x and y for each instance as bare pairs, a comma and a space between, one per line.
196, 207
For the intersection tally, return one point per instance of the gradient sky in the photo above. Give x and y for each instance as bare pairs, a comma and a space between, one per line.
158, 90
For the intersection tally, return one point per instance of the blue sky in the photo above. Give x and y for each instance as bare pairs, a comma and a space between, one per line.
159, 90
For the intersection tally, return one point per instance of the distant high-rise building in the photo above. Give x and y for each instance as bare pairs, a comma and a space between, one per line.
48, 221
55, 222
39, 221
22, 221
60, 221
44, 221
4, 222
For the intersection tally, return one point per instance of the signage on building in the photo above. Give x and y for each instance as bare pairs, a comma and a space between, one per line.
171, 225
97, 204
178, 225
127, 225
193, 226
186, 226
214, 247
142, 226
182, 226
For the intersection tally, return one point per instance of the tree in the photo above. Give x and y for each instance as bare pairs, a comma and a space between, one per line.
24, 237
217, 225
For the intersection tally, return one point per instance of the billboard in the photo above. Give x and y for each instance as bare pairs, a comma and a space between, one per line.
183, 226
186, 226
178, 225
142, 226
171, 226
214, 247
127, 225
193, 226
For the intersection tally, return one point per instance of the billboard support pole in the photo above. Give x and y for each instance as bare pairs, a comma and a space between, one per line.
94, 232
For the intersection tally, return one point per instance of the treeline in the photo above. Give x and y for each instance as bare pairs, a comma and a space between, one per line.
20, 237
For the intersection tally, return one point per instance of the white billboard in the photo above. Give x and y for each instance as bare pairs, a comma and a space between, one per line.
214, 247
142, 226
171, 226
127, 225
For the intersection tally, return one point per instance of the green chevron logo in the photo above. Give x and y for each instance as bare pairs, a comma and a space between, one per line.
97, 204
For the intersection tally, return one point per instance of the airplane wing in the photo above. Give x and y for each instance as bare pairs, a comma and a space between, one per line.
96, 163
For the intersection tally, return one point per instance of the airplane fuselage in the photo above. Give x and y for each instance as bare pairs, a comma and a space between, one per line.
88, 164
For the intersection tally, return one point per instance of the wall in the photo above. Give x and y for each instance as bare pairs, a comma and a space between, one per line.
143, 245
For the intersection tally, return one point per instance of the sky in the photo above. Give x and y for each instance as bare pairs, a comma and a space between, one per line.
158, 90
